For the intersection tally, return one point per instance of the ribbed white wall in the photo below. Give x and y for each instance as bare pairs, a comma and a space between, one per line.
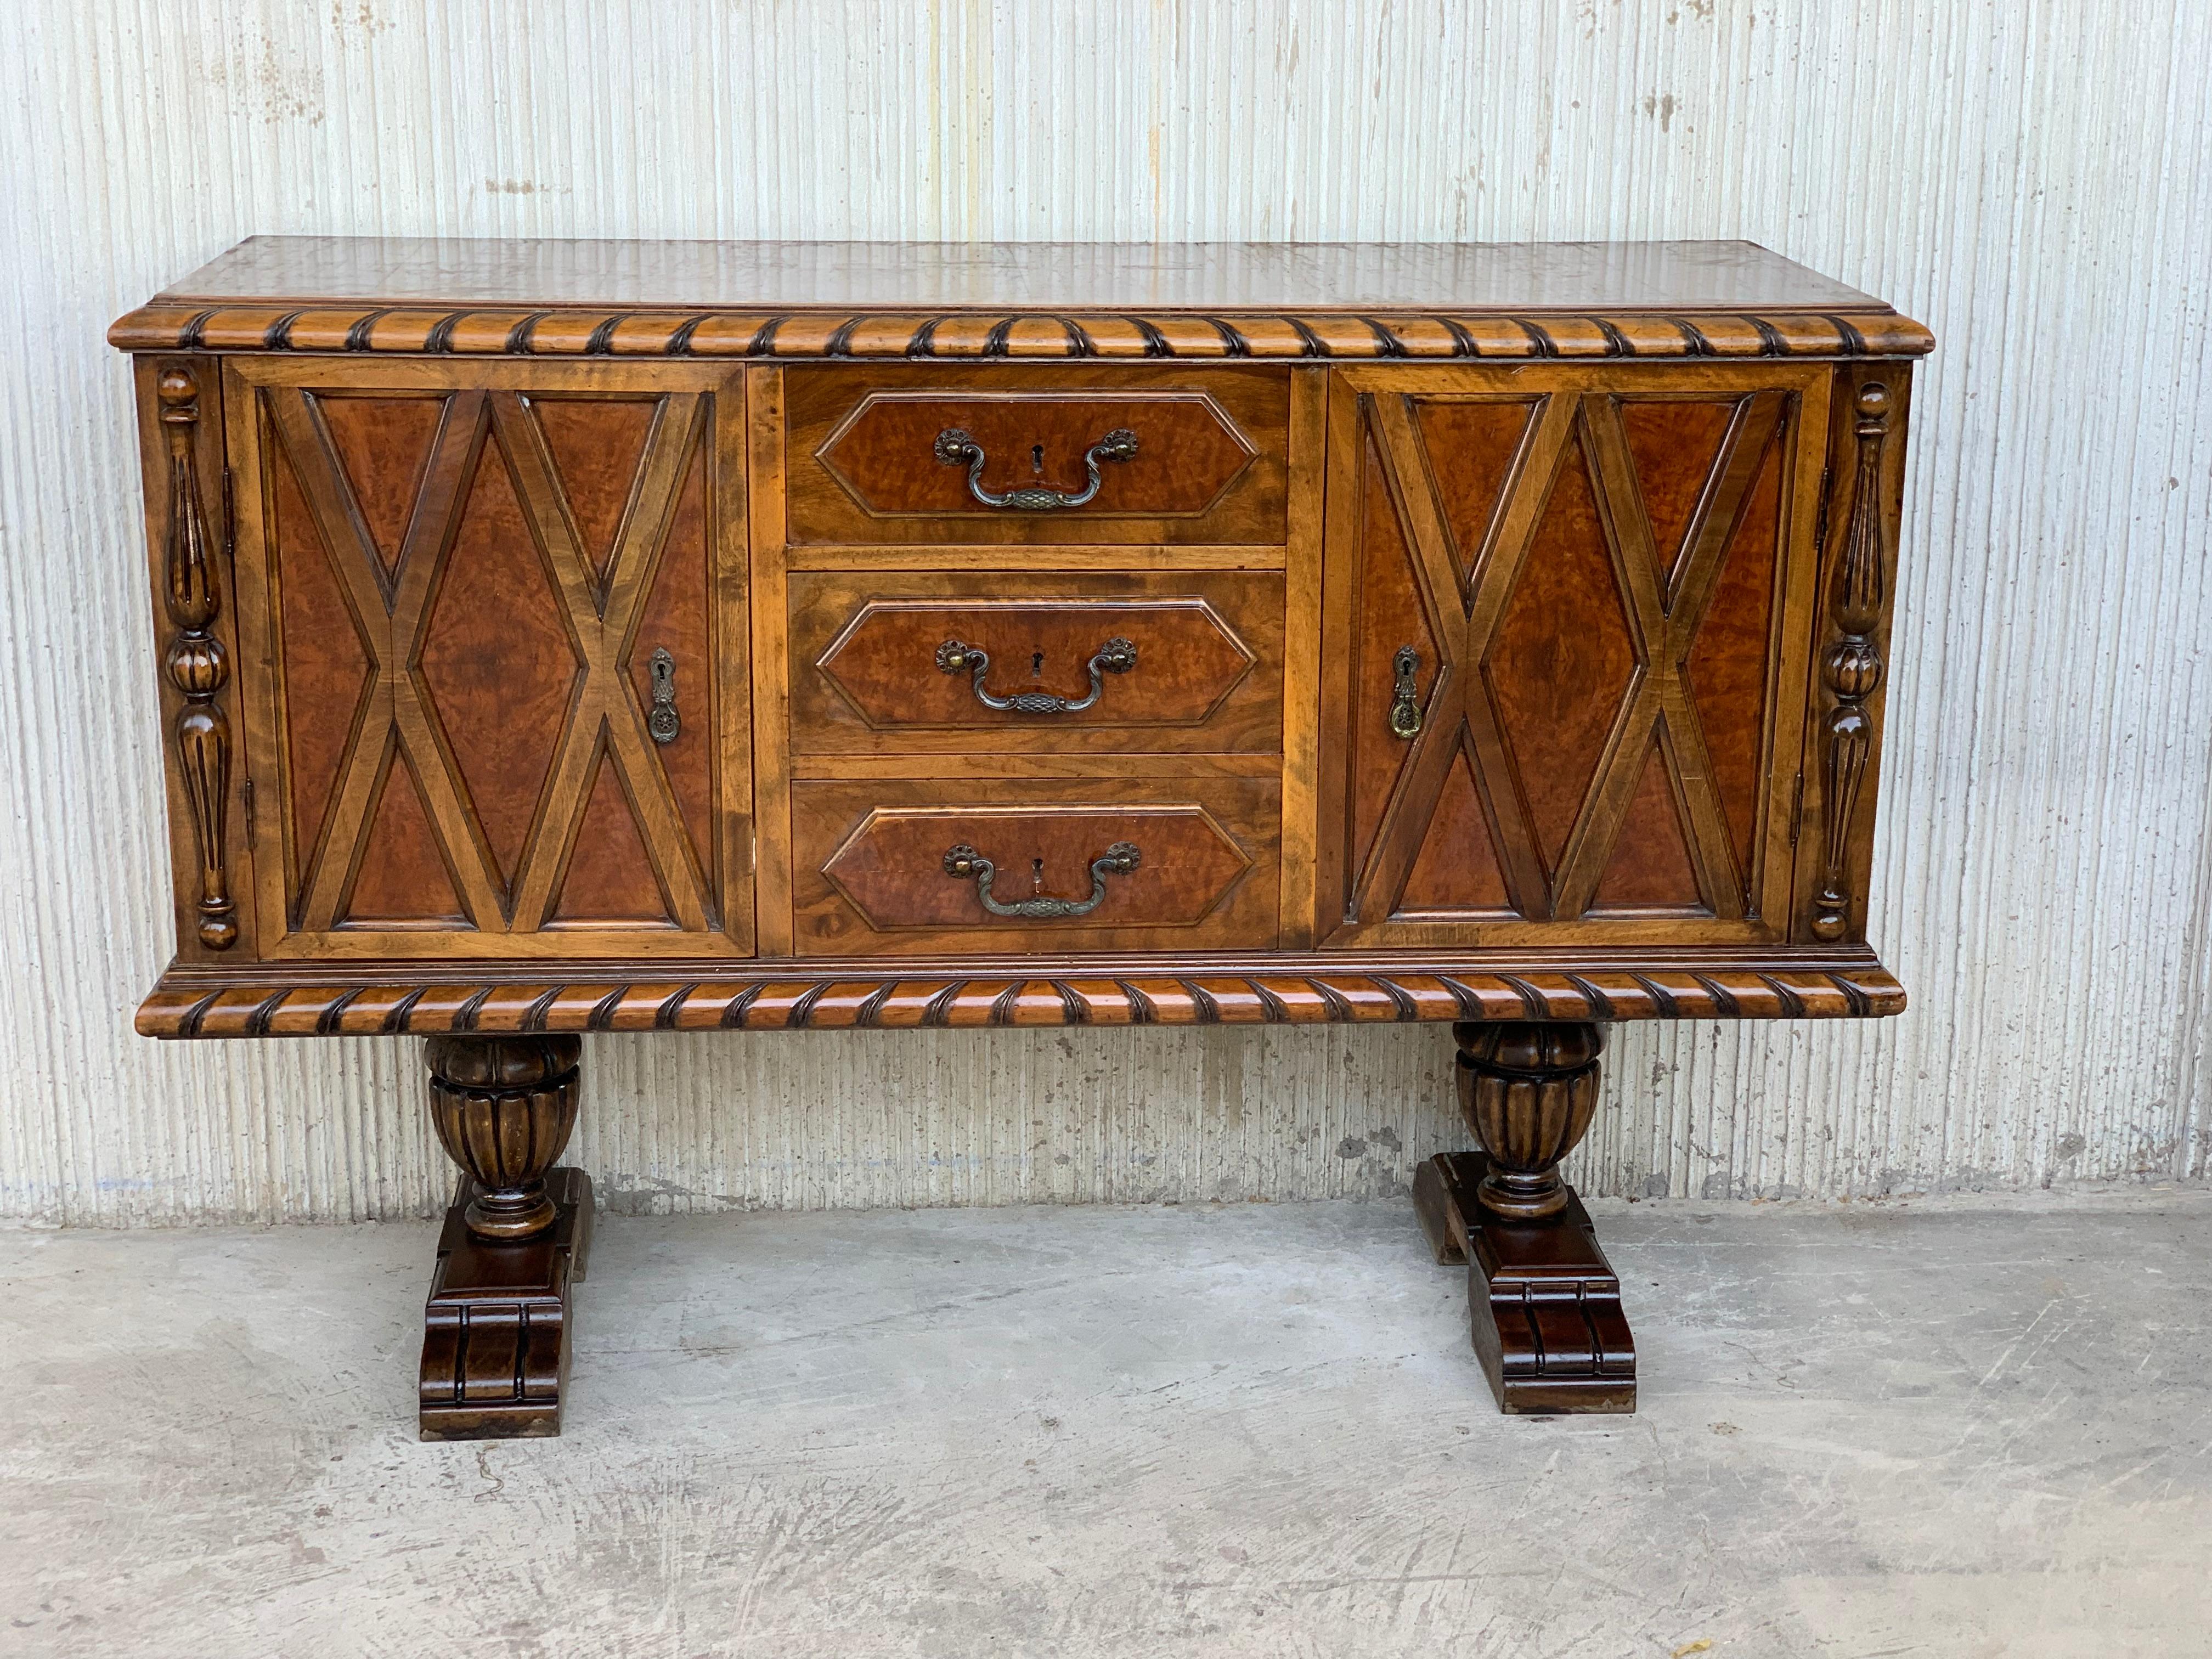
2030, 178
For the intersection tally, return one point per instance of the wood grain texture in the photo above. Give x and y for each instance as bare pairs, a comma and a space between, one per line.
1189, 452
1210, 465
1275, 987
1302, 741
196, 661
1543, 1302
504, 660
498, 1328
1009, 300
1051, 337
1207, 677
982, 275
1561, 777
868, 873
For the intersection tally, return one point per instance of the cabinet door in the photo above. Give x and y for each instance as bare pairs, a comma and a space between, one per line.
493, 619
1569, 611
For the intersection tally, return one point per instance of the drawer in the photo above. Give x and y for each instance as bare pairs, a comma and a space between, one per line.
891, 454
926, 867
999, 662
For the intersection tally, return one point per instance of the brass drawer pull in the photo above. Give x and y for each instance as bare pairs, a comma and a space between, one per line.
963, 861
1404, 707
1116, 656
662, 721
955, 446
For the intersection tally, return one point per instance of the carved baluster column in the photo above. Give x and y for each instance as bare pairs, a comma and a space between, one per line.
503, 1108
496, 1340
1526, 1091
1852, 666
193, 598
1544, 1305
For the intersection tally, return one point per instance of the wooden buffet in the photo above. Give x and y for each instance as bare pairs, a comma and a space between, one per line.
562, 638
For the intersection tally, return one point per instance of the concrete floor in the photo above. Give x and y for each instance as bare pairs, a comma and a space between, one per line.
1951, 1427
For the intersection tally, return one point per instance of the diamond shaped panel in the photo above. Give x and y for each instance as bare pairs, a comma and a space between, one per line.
1731, 656
325, 663
497, 662
383, 446
1560, 665
597, 444
1471, 444
1674, 443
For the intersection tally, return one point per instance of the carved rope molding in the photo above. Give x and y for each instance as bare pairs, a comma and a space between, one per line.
1852, 667
957, 336
183, 1009
196, 666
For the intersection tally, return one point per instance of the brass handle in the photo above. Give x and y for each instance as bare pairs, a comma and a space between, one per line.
662, 721
1405, 706
1116, 656
954, 447
963, 861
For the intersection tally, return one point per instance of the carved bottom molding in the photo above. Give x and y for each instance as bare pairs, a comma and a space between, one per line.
495, 1331
1543, 1303
189, 1003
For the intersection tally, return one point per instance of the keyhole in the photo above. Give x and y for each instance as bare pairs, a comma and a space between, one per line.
1036, 875
1036, 665
1036, 460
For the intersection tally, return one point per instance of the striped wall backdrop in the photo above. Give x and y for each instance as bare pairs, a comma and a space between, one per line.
2029, 177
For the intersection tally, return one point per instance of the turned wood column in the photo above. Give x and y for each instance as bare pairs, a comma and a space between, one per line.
1543, 1303
503, 1109
496, 1328
1527, 1091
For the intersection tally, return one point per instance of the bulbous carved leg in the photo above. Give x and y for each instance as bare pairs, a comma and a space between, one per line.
1526, 1091
1544, 1305
496, 1337
503, 1108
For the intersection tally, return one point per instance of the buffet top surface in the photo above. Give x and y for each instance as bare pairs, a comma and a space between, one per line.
1658, 276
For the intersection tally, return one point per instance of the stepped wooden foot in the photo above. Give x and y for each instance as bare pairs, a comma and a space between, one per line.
496, 1328
1543, 1302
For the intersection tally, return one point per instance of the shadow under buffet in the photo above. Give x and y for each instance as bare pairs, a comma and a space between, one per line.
562, 637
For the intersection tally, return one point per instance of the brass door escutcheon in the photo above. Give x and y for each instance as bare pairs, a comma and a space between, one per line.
662, 721
1405, 706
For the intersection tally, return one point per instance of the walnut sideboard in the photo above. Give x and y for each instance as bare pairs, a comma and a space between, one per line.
561, 637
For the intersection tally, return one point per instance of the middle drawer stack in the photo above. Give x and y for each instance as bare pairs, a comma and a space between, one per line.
1028, 749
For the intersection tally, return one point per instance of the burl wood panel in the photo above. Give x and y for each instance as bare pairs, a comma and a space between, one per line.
869, 871
1210, 465
462, 581
1207, 677
1594, 572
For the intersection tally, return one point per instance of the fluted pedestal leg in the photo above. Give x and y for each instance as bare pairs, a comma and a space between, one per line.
496, 1329
1543, 1302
